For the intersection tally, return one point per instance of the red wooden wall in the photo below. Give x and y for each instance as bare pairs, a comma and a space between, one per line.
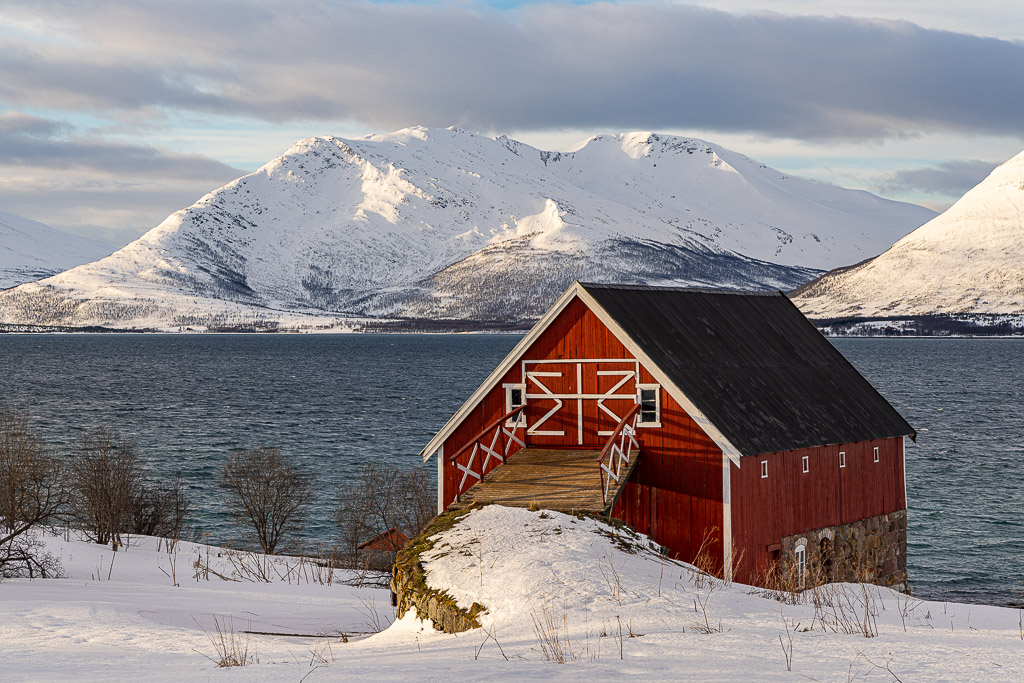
674, 495
791, 502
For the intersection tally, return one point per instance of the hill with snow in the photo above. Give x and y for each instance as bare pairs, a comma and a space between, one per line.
443, 223
30, 250
968, 260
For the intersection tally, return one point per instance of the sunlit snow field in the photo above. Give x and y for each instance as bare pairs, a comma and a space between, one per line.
604, 604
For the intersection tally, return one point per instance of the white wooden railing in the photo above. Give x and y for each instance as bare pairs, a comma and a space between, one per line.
494, 441
620, 449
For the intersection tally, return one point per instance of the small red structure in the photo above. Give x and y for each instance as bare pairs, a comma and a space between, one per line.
742, 432
391, 541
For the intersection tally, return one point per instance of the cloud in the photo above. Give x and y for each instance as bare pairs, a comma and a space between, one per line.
541, 66
78, 181
32, 141
948, 179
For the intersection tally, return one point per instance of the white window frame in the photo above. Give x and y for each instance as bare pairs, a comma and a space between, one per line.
805, 464
876, 456
842, 459
764, 469
800, 562
657, 404
520, 420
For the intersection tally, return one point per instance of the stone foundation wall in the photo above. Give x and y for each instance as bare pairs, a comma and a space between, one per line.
436, 606
872, 550
408, 581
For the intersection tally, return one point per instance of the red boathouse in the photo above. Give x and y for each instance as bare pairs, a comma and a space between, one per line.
701, 418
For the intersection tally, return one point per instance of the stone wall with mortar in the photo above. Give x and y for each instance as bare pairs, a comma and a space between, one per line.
872, 550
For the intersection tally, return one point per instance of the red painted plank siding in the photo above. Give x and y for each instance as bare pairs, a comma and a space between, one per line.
675, 494
790, 502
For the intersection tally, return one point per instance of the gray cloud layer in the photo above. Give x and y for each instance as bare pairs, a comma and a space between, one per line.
541, 67
32, 141
105, 189
950, 179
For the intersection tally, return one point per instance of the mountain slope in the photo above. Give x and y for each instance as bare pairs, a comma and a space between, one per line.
30, 250
968, 260
446, 223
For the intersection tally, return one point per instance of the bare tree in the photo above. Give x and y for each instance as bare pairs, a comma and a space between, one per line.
384, 497
159, 511
108, 482
269, 492
32, 494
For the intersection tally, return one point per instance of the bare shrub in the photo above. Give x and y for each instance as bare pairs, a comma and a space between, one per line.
32, 493
383, 497
107, 477
110, 495
159, 511
269, 492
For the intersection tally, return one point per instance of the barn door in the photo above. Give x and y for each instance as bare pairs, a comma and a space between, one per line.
549, 387
577, 403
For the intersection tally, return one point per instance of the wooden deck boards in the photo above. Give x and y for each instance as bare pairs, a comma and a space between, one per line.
553, 479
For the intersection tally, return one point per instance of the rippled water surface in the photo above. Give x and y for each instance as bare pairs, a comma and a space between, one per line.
336, 401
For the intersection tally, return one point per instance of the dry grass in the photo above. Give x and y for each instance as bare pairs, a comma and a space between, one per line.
552, 631
704, 570
230, 649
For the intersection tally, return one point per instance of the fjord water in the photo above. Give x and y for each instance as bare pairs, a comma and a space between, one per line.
334, 402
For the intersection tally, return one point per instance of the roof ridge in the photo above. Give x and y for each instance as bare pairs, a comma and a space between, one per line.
677, 288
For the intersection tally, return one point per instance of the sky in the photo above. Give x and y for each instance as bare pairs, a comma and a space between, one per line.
114, 114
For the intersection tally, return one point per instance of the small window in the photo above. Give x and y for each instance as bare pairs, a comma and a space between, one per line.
876, 453
515, 396
800, 556
650, 405
805, 464
764, 469
842, 458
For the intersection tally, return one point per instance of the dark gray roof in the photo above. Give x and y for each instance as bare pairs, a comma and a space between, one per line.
753, 365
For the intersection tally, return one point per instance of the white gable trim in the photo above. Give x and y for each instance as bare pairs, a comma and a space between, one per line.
576, 290
727, 560
675, 392
499, 372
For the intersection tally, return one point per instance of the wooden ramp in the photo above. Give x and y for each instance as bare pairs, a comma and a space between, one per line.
553, 479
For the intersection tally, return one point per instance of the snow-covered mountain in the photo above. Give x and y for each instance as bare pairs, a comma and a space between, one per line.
30, 250
968, 260
447, 223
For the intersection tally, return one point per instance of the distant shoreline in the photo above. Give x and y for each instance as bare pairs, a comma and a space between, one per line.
987, 326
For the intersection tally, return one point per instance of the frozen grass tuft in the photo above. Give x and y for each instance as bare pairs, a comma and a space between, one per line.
230, 648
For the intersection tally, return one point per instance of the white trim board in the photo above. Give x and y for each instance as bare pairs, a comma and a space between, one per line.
727, 567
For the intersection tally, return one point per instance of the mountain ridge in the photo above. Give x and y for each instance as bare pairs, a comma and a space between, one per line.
30, 250
967, 261
444, 223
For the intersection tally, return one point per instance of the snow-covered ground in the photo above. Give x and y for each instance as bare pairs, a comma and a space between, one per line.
615, 608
